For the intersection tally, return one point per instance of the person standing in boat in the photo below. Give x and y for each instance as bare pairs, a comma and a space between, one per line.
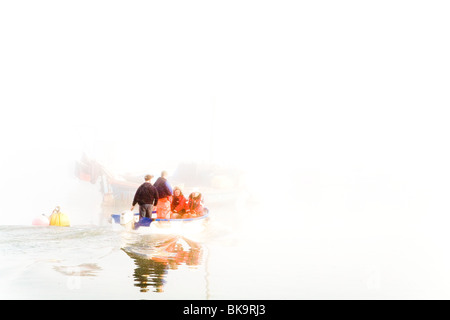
165, 196
147, 197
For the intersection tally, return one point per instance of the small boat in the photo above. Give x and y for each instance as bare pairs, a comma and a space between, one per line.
132, 221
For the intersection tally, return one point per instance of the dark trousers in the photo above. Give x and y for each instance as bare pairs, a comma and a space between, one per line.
145, 210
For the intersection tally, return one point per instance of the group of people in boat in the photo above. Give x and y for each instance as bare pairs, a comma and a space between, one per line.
170, 203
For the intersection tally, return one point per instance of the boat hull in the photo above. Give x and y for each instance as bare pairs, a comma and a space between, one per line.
161, 226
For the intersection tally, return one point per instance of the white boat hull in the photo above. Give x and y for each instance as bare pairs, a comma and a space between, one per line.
161, 226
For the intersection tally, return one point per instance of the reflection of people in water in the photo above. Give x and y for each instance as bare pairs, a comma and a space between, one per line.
148, 273
152, 263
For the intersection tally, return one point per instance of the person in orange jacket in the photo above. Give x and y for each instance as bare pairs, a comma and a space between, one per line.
195, 204
179, 204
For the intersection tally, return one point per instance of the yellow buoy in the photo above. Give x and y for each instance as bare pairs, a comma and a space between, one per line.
59, 219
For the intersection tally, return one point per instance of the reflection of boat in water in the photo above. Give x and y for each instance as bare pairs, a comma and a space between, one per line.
154, 262
131, 220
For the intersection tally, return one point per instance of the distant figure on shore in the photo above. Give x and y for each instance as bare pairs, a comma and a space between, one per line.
147, 197
165, 196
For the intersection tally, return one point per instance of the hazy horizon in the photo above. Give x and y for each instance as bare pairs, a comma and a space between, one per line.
338, 106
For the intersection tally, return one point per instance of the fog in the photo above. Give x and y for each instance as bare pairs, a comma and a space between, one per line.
336, 112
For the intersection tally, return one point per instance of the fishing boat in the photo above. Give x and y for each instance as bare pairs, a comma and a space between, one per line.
132, 221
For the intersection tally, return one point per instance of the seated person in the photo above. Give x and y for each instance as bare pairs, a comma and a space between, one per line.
195, 204
179, 204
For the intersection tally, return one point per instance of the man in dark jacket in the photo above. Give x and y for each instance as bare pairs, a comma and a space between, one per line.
163, 186
147, 197
165, 196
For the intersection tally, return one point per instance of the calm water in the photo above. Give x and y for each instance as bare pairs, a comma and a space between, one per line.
109, 262
226, 261
251, 257
100, 262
